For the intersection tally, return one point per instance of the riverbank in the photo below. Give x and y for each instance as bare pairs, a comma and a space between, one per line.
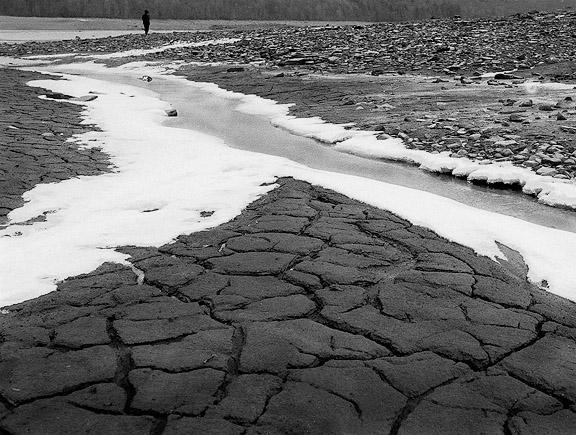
440, 94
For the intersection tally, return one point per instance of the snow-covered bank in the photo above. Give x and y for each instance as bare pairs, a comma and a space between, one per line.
136, 52
547, 189
166, 177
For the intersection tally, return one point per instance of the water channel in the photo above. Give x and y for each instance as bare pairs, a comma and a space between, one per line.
202, 111
215, 115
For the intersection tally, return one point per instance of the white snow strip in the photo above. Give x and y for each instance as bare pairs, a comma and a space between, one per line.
137, 52
548, 190
165, 177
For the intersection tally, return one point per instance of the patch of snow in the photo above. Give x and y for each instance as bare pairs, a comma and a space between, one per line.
165, 178
136, 52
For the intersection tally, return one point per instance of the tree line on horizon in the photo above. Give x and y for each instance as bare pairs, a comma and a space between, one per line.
305, 10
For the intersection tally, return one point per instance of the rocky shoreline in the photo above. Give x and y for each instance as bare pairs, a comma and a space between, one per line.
451, 46
420, 81
481, 121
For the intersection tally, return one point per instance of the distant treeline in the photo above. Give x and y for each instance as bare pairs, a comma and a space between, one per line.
328, 10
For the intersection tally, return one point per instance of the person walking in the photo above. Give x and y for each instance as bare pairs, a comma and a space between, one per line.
146, 21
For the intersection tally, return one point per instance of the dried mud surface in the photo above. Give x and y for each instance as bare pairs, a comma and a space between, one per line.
309, 313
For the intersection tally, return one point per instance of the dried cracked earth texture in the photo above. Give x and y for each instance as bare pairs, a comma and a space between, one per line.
310, 313
33, 140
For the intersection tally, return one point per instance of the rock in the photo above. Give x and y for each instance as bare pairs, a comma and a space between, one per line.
505, 143
560, 117
146, 78
553, 160
85, 98
294, 61
568, 129
505, 76
235, 69
546, 172
58, 96
172, 112
546, 107
517, 117
526, 103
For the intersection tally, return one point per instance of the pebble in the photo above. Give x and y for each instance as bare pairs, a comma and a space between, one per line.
547, 172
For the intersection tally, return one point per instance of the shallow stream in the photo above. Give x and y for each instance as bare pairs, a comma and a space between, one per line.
214, 115
202, 111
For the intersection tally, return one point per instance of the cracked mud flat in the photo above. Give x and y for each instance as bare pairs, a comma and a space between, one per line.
33, 141
308, 313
